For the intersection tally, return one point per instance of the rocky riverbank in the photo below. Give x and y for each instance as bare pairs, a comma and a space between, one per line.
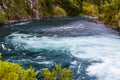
12, 11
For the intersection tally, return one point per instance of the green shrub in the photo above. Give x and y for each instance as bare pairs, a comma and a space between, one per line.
47, 8
11, 71
58, 74
3, 19
17, 9
72, 7
111, 12
59, 12
89, 9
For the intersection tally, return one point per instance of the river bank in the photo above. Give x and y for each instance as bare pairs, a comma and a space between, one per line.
23, 10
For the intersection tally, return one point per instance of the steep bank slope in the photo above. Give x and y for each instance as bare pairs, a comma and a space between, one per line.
12, 11
20, 10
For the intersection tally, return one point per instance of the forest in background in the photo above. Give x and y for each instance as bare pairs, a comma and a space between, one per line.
108, 11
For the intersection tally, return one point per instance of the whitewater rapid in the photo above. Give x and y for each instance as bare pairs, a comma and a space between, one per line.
102, 48
90, 50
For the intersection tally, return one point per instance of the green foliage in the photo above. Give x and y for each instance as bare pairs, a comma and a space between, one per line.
72, 7
17, 9
89, 9
51, 8
11, 71
111, 12
0, 56
47, 8
59, 12
3, 18
57, 74
107, 10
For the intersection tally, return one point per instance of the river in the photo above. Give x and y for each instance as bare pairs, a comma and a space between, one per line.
90, 50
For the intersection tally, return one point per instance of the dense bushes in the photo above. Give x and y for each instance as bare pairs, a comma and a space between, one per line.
3, 18
111, 12
17, 10
72, 7
89, 9
107, 10
59, 12
47, 8
57, 74
12, 71
23, 9
51, 8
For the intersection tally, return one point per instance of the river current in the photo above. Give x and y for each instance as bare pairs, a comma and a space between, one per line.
90, 50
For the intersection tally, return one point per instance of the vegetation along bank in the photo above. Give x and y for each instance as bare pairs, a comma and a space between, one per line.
12, 11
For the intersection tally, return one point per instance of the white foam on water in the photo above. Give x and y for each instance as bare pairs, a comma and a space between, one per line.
45, 62
108, 70
23, 23
105, 48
